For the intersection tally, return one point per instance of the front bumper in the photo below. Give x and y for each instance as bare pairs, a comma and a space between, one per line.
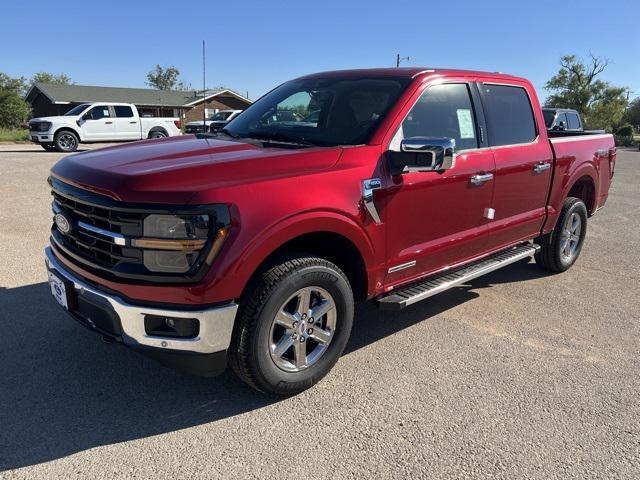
122, 321
41, 137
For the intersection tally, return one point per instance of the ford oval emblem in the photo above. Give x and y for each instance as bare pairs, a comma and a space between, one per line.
63, 223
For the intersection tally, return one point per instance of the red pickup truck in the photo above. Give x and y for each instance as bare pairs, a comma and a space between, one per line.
250, 246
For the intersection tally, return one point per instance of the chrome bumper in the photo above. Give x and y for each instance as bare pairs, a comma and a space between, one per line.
216, 324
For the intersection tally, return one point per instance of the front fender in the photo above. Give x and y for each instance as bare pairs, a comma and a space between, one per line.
231, 279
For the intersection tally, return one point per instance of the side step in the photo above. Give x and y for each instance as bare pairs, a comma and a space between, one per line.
427, 287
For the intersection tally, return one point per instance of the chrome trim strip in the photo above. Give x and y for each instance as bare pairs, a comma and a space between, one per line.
402, 266
216, 324
117, 238
577, 138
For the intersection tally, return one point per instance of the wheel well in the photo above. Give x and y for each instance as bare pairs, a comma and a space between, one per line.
66, 129
157, 129
585, 190
330, 246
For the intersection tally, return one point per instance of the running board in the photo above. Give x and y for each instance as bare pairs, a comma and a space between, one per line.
427, 287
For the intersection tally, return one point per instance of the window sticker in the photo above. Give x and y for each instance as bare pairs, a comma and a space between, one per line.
465, 123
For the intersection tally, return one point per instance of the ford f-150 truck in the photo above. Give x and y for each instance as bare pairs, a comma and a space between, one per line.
98, 122
249, 247
212, 124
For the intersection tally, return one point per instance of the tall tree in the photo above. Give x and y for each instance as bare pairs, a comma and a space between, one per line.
16, 85
632, 115
166, 79
46, 77
577, 86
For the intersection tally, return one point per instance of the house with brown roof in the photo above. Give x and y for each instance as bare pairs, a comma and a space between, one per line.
49, 99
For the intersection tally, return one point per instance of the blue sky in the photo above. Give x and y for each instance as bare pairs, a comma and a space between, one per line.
255, 45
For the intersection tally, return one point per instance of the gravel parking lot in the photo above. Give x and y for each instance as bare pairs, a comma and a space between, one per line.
520, 374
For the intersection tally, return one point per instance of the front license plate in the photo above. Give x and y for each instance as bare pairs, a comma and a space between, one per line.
58, 290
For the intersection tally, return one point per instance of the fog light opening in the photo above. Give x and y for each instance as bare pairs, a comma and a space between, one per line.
161, 326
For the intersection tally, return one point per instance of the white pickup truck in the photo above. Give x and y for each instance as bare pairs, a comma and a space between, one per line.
98, 122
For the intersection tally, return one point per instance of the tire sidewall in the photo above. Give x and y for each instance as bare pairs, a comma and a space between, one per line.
318, 276
57, 143
577, 207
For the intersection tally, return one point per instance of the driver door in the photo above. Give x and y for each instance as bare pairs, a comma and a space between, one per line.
436, 219
98, 124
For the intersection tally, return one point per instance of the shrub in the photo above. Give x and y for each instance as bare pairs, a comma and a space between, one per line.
625, 131
13, 109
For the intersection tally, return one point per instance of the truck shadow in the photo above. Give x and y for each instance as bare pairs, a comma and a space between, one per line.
63, 390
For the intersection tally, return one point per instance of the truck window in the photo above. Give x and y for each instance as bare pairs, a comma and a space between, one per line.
574, 121
96, 113
123, 111
509, 115
549, 115
443, 111
561, 118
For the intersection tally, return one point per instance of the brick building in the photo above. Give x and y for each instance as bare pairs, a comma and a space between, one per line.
48, 99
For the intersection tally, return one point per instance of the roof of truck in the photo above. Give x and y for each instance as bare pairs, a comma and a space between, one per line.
404, 72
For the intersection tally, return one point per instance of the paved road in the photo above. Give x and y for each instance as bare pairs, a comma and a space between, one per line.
518, 375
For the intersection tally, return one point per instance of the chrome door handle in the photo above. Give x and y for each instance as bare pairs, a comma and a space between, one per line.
481, 178
368, 186
541, 167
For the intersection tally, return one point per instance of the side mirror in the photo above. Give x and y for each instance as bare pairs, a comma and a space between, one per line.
423, 154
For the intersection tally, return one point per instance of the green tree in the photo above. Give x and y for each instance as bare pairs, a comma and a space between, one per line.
166, 79
13, 109
632, 115
577, 86
17, 85
46, 77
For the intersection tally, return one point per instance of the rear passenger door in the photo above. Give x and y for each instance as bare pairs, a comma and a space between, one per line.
523, 163
127, 125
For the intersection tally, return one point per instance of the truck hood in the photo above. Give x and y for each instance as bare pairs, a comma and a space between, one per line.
56, 118
173, 170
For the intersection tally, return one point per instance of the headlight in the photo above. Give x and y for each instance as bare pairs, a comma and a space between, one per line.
42, 126
174, 243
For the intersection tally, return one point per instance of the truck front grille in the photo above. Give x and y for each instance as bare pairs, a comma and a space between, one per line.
100, 233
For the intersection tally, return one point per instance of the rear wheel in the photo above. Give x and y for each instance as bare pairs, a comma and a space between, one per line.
293, 327
66, 141
561, 248
157, 134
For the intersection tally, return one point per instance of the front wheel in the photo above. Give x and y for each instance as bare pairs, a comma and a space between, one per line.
561, 248
294, 326
66, 141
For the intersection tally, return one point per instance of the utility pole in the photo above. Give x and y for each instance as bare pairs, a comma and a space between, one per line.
401, 59
204, 92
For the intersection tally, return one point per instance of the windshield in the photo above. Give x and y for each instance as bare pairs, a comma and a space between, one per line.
77, 110
327, 112
220, 116
549, 115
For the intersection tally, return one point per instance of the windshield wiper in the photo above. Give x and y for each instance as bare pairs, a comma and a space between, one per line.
276, 137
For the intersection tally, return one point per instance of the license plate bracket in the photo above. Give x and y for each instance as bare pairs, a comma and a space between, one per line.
61, 290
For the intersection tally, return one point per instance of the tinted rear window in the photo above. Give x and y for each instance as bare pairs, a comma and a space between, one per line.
574, 121
122, 111
509, 115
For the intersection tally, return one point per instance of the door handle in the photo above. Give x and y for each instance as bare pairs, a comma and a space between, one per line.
133, 123
541, 167
108, 123
479, 179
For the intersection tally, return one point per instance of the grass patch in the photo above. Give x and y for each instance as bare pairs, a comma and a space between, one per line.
14, 135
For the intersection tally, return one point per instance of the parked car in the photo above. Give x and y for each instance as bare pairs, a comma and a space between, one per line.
215, 122
562, 119
98, 122
250, 247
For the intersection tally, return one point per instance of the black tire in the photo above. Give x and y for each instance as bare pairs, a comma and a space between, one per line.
552, 255
252, 346
157, 134
66, 141
48, 147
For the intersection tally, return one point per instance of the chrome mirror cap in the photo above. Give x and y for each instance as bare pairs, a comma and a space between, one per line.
439, 150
